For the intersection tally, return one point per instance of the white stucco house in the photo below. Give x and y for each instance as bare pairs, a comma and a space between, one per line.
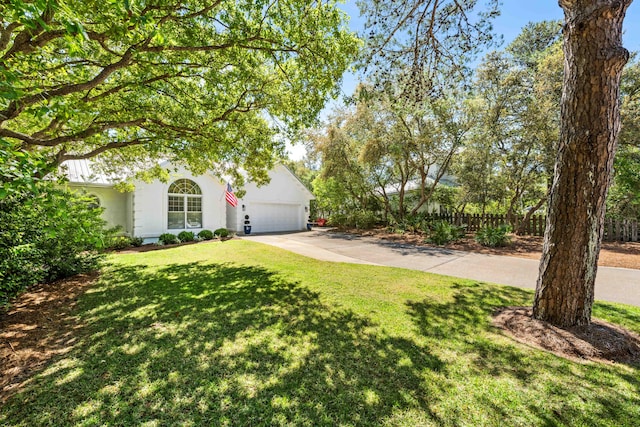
281, 205
193, 203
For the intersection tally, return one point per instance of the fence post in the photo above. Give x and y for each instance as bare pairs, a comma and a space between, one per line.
534, 225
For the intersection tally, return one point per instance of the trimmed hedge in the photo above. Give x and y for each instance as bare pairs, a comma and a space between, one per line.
205, 234
167, 239
221, 232
186, 236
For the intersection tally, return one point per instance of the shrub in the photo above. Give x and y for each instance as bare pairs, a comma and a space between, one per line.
494, 236
119, 242
363, 219
358, 219
186, 236
206, 234
442, 232
137, 241
168, 239
221, 232
337, 220
46, 234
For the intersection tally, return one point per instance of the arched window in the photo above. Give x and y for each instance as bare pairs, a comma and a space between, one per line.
185, 205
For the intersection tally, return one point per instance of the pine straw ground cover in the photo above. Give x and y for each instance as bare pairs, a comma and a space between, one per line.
239, 333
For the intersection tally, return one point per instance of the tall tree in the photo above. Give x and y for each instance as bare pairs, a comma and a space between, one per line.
510, 157
594, 60
339, 147
424, 44
417, 54
199, 82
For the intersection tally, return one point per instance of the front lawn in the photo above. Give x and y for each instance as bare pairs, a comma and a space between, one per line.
238, 333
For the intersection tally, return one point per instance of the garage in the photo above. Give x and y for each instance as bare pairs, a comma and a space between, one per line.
270, 217
283, 204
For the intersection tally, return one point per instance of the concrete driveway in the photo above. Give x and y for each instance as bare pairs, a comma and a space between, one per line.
612, 284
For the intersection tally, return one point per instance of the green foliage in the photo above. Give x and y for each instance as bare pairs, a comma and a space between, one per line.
509, 157
442, 232
417, 223
136, 241
20, 171
192, 81
46, 235
337, 220
448, 197
205, 235
119, 242
331, 196
373, 152
186, 236
360, 219
168, 239
623, 201
494, 236
363, 219
534, 40
221, 232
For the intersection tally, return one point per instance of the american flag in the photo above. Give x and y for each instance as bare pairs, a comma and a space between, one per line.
231, 198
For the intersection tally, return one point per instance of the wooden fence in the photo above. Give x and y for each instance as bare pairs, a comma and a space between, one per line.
625, 230
614, 230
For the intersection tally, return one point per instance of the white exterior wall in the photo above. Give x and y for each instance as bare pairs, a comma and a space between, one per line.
431, 207
114, 203
283, 193
150, 200
233, 216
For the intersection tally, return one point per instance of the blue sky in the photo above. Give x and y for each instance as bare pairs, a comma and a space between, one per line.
514, 14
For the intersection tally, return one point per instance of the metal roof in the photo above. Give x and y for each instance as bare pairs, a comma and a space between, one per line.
80, 171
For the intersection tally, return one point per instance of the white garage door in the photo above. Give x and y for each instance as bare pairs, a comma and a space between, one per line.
268, 217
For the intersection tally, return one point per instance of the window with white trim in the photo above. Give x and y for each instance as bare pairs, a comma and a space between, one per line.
184, 205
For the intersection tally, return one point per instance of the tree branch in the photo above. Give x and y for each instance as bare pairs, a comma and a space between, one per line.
16, 107
5, 34
80, 136
28, 39
110, 146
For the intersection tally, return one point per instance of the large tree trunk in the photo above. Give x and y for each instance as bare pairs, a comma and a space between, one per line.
594, 58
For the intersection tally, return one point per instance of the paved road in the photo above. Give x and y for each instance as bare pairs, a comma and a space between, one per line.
612, 284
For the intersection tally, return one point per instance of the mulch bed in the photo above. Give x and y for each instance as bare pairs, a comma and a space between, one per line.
600, 341
155, 247
37, 327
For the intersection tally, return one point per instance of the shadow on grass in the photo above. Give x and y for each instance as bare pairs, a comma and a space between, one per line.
576, 394
221, 344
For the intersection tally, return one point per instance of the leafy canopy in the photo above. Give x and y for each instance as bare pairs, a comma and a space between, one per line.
197, 82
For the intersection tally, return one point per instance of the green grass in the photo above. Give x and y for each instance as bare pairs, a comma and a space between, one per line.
238, 333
